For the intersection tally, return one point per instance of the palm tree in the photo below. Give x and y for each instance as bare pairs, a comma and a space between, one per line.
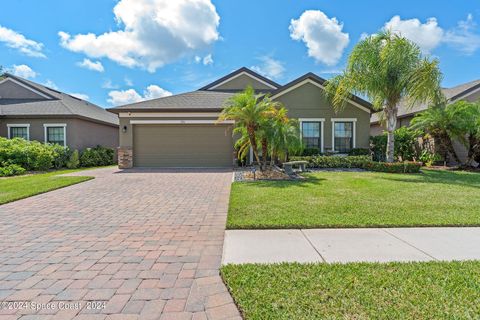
444, 124
387, 68
248, 112
286, 136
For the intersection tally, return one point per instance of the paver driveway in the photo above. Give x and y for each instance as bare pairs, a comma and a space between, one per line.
147, 243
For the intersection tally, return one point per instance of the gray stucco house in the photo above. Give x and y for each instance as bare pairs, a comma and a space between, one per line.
469, 91
181, 130
32, 111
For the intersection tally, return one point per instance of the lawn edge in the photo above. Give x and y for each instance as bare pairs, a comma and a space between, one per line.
376, 226
84, 179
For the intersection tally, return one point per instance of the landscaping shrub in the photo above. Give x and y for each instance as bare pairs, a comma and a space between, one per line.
360, 162
395, 167
310, 152
429, 158
334, 161
61, 156
74, 160
359, 152
31, 155
98, 156
406, 148
11, 170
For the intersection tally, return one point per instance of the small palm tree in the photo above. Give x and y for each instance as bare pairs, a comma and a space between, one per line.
248, 112
443, 124
286, 136
388, 69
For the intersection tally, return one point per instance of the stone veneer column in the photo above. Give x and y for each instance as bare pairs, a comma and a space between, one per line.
125, 157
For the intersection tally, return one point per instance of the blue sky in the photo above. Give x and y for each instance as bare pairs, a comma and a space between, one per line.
123, 51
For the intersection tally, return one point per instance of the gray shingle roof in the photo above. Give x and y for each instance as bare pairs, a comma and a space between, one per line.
195, 100
451, 94
60, 104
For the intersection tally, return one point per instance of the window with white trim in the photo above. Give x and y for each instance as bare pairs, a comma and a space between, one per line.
343, 132
312, 134
55, 134
18, 131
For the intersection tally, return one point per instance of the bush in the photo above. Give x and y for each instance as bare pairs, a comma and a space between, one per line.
359, 152
334, 161
74, 160
360, 162
11, 170
395, 167
98, 156
310, 152
31, 155
61, 156
429, 158
406, 148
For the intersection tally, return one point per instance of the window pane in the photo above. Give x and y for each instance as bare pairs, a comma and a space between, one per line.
56, 135
19, 132
311, 134
343, 136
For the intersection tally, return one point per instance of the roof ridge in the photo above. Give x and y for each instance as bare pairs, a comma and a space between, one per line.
236, 72
29, 84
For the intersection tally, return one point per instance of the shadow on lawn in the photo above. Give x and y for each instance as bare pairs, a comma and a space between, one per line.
464, 179
311, 180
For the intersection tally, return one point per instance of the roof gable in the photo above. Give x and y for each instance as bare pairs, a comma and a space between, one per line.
239, 79
11, 88
319, 82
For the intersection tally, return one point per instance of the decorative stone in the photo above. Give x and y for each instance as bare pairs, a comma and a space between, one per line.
125, 157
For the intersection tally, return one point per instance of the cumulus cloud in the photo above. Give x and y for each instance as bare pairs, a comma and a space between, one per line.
463, 37
153, 33
23, 71
50, 84
91, 65
108, 84
322, 36
19, 42
121, 97
208, 59
270, 68
426, 35
80, 96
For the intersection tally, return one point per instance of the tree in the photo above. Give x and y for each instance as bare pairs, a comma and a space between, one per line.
285, 137
388, 69
444, 124
248, 111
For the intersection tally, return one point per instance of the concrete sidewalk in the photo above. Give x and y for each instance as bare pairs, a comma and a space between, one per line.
351, 245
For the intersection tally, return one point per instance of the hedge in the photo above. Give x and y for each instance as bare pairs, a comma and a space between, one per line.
18, 156
360, 162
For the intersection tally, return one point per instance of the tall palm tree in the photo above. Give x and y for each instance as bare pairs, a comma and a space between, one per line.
387, 68
248, 111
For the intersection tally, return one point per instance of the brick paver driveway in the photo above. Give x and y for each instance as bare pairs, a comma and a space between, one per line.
126, 245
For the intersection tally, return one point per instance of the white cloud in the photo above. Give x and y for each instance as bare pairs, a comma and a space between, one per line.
18, 41
91, 65
463, 37
50, 84
121, 97
323, 36
207, 60
198, 59
80, 96
155, 32
23, 71
426, 35
270, 68
108, 84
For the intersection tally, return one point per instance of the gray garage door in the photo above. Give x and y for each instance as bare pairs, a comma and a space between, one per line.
182, 146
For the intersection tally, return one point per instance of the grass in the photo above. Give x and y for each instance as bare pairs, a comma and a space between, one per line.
20, 187
358, 199
425, 290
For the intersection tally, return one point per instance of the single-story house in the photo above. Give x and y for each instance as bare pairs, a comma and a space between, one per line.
181, 130
469, 91
35, 112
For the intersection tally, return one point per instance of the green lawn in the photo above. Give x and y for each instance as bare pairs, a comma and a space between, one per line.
358, 199
427, 290
15, 188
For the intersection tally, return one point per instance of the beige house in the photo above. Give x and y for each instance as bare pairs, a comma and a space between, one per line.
34, 112
181, 130
469, 91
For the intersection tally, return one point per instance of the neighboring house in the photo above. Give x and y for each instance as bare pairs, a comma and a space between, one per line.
182, 130
34, 112
469, 91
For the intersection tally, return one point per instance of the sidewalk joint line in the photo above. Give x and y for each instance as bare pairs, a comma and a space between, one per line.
310, 242
409, 244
